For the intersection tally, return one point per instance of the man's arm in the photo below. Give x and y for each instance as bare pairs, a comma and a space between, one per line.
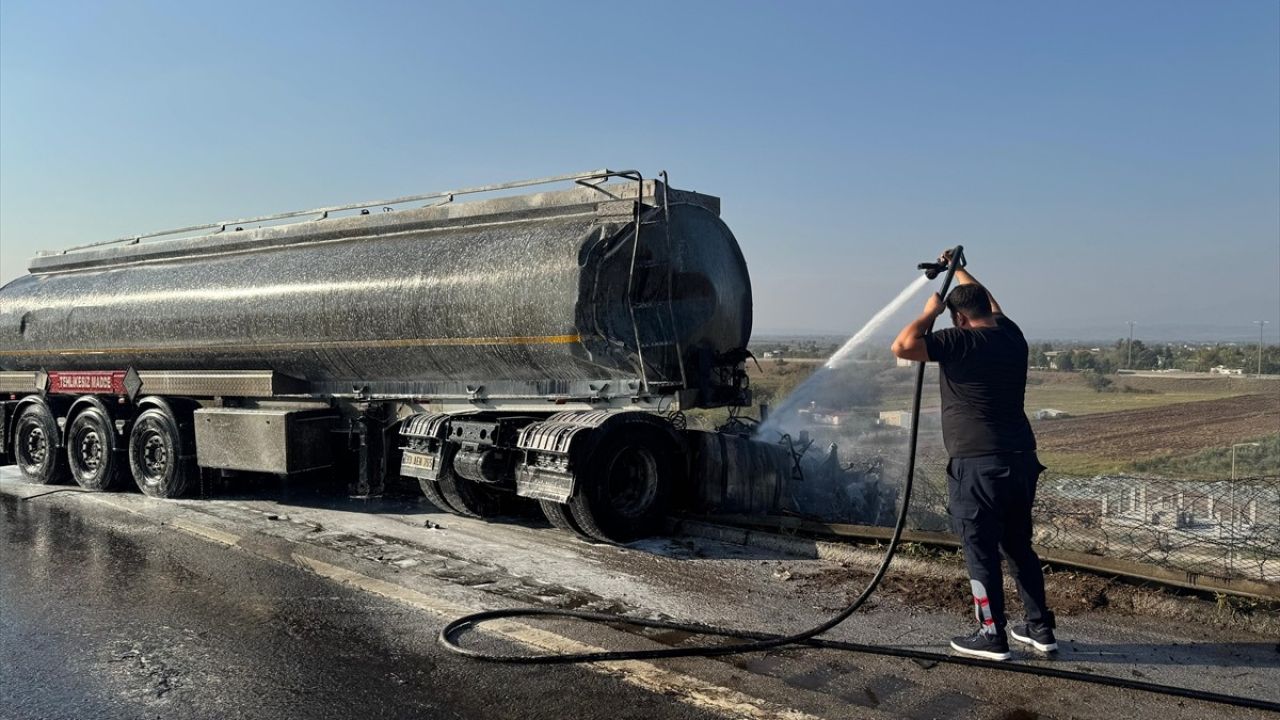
962, 277
909, 345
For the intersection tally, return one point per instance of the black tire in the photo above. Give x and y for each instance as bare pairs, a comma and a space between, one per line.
561, 517
158, 455
466, 497
432, 491
93, 452
35, 447
624, 489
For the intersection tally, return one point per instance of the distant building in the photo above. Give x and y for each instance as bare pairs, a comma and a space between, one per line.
903, 362
1050, 414
1223, 370
896, 418
863, 419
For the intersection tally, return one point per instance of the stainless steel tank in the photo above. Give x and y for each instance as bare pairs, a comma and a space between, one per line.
544, 295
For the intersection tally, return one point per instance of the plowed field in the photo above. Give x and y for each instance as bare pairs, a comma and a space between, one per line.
1179, 429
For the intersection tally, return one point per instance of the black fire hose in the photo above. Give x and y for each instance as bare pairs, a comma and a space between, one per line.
757, 641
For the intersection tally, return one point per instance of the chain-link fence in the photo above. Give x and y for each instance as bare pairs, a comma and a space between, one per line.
1227, 529
1221, 528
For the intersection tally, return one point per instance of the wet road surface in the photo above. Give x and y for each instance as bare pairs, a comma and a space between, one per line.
271, 601
131, 621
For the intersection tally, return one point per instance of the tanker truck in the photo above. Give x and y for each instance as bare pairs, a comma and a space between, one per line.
536, 343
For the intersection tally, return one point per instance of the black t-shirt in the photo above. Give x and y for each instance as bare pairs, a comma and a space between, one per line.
983, 380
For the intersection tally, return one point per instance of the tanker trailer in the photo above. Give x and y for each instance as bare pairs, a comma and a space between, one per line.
537, 345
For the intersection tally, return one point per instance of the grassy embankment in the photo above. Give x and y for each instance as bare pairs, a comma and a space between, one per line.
1209, 464
1215, 463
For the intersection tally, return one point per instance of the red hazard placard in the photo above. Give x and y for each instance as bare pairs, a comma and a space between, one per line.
87, 382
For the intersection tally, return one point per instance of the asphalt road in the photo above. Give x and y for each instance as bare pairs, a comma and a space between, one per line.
263, 602
125, 620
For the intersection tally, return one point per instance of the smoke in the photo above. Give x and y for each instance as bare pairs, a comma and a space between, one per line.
849, 422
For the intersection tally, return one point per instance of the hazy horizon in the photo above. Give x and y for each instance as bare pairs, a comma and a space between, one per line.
1156, 334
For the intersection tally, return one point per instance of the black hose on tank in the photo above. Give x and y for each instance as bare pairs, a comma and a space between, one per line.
758, 641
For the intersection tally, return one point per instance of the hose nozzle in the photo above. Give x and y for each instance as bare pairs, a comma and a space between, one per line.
953, 258
932, 269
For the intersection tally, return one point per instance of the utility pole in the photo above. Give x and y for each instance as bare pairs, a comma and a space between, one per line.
1261, 324
1129, 363
1231, 547
1233, 456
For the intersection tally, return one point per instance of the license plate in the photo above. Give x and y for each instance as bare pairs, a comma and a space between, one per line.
426, 462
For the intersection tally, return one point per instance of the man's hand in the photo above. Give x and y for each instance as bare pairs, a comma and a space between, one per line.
962, 277
934, 306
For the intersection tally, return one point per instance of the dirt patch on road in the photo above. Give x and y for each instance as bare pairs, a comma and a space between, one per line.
1070, 592
948, 589
1177, 429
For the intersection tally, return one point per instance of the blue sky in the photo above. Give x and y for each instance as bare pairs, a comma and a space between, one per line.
1102, 162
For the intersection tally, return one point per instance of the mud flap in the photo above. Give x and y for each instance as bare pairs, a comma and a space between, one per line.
540, 483
545, 474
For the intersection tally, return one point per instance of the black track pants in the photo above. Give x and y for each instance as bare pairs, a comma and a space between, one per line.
990, 500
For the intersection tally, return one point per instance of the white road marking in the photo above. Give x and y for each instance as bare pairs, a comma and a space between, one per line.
682, 687
679, 686
205, 532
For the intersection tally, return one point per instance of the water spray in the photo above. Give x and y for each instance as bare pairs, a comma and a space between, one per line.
759, 641
770, 427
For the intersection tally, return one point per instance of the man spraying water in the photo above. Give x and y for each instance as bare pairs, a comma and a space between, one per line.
992, 473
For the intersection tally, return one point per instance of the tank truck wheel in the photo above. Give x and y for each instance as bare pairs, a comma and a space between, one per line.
462, 496
92, 451
158, 455
35, 447
561, 517
625, 486
432, 491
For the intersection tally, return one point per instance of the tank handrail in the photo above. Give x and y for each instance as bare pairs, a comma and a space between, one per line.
583, 178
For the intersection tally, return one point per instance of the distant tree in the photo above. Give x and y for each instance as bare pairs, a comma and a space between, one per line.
1097, 381
1146, 359
1116, 353
1270, 359
1206, 357
1066, 361
1085, 360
